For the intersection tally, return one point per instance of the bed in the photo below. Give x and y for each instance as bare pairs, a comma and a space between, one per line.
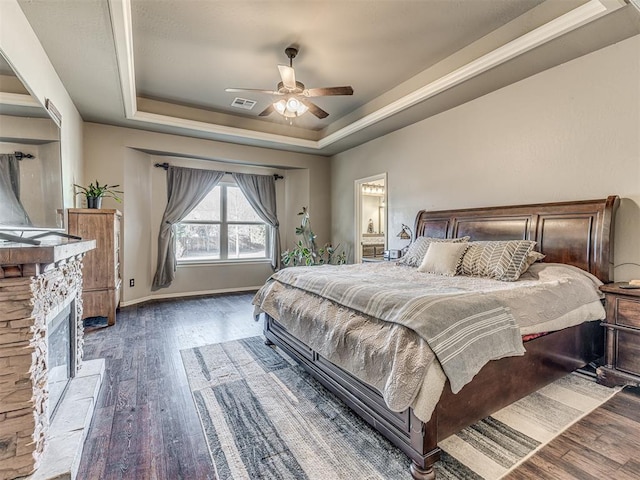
574, 233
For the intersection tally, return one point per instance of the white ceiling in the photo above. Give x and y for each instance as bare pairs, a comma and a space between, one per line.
163, 65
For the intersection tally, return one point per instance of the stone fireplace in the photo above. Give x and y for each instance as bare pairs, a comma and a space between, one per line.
41, 341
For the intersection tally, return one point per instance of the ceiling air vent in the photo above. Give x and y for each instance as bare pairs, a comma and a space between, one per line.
243, 103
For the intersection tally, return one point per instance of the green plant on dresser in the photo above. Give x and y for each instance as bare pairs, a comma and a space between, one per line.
95, 193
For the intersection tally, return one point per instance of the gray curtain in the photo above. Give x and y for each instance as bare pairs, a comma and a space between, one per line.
11, 210
186, 187
260, 191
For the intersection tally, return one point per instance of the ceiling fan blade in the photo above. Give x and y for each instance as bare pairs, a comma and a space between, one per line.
288, 76
267, 111
313, 108
326, 91
254, 90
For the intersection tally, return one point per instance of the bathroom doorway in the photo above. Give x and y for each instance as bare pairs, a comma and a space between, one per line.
371, 218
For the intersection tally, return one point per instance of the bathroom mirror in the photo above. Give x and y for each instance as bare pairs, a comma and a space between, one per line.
31, 195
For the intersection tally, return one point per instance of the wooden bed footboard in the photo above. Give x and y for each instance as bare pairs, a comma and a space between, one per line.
548, 358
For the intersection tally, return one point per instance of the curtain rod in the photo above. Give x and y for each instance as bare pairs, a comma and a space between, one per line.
20, 155
165, 166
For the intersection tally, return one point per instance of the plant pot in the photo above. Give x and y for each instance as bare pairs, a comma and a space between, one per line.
94, 202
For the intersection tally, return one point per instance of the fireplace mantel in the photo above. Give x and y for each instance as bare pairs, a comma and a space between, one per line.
23, 260
36, 283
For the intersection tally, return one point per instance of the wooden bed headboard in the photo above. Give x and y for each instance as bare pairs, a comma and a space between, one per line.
578, 233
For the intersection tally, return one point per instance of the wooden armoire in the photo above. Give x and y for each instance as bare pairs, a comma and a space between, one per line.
101, 267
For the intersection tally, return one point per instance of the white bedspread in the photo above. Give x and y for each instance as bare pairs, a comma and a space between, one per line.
395, 359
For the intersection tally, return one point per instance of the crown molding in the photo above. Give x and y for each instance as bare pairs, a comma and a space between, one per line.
545, 33
120, 11
635, 3
18, 100
223, 130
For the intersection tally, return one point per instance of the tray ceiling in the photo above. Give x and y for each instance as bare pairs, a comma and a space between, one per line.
164, 65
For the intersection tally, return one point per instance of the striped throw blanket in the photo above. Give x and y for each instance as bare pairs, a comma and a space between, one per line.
464, 330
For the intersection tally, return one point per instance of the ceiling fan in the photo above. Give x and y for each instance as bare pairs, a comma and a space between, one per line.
296, 95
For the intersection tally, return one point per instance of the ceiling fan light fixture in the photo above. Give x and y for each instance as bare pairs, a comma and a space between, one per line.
293, 104
291, 107
280, 106
296, 96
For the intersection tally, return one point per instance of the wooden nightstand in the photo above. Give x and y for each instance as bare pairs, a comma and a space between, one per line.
622, 334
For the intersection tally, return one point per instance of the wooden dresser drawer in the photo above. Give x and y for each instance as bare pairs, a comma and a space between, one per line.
373, 250
628, 354
368, 251
628, 312
622, 344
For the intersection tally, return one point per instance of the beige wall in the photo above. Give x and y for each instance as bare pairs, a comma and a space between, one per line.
21, 47
123, 156
572, 132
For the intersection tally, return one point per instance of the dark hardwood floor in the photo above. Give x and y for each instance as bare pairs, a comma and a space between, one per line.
146, 426
603, 445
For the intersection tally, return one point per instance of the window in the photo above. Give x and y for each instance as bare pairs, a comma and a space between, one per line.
222, 227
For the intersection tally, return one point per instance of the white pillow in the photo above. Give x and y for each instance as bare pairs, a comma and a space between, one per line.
443, 258
418, 249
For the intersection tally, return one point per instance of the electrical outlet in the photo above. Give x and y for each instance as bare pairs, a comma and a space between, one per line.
132, 282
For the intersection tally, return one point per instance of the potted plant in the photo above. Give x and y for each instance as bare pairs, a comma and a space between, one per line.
306, 252
95, 193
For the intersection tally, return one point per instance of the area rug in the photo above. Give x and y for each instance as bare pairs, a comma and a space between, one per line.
265, 417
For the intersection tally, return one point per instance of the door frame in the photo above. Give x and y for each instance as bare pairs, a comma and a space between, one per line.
357, 247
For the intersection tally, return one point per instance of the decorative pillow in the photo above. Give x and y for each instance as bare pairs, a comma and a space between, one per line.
533, 257
418, 249
443, 258
500, 260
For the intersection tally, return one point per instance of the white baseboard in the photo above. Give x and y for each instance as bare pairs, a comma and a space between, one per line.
163, 296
